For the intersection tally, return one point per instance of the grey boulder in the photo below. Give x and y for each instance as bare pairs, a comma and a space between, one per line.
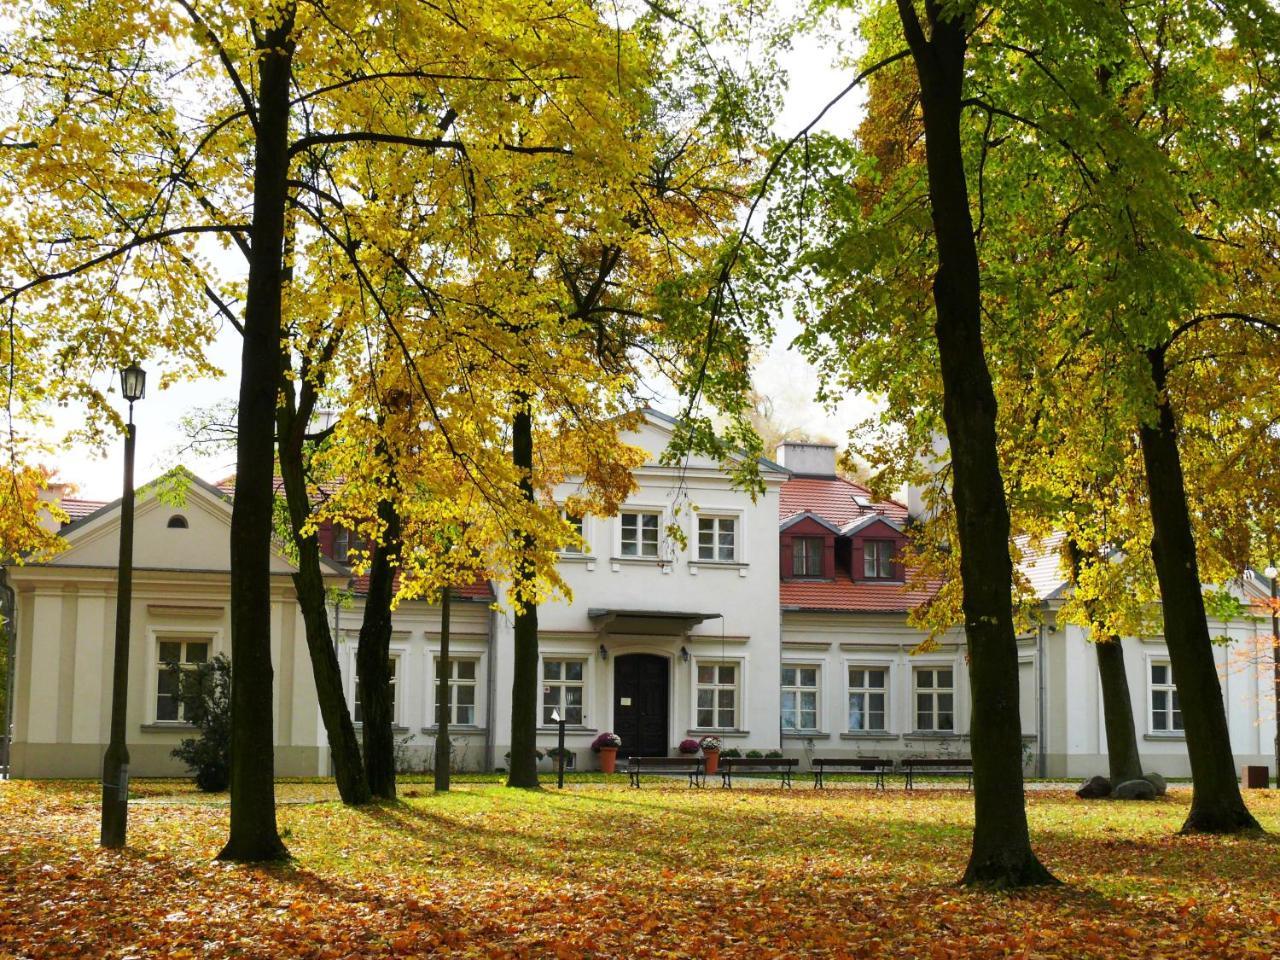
1135, 790
1093, 788
1158, 782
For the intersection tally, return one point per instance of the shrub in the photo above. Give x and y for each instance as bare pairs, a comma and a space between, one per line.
538, 754
205, 692
556, 751
688, 746
754, 755
773, 755
709, 743
732, 753
606, 739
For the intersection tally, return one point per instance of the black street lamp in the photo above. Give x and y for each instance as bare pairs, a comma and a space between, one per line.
1271, 573
559, 722
115, 765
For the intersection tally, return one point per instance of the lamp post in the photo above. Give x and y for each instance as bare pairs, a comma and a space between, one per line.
1271, 573
559, 722
115, 765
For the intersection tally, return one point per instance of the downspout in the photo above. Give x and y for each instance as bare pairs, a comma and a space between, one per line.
489, 684
8, 611
1042, 746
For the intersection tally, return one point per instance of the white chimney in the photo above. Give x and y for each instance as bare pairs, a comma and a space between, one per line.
808, 459
938, 457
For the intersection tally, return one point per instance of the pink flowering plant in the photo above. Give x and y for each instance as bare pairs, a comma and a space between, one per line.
606, 739
688, 746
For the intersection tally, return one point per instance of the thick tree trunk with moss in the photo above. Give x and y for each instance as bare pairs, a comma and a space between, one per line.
442, 699
1002, 854
372, 660
253, 834
344, 746
1216, 803
523, 771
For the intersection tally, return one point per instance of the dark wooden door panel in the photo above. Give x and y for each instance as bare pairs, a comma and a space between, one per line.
641, 700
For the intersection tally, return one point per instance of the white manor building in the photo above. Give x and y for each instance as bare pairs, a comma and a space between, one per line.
782, 625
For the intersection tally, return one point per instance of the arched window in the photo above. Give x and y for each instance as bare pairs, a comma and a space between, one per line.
177, 522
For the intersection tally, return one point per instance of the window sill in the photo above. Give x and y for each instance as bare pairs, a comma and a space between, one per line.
1176, 736
716, 732
455, 728
805, 735
934, 735
868, 735
648, 561
167, 726
794, 579
720, 564
880, 581
395, 727
562, 556
569, 728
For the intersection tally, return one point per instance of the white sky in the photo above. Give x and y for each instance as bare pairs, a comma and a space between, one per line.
782, 373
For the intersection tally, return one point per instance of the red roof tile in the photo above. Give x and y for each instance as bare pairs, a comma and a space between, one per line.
843, 595
79, 509
479, 590
832, 499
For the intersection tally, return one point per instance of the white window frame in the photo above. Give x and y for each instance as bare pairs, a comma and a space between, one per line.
570, 549
868, 690
798, 689
739, 701
398, 655
641, 511
934, 690
1170, 689
875, 558
716, 518
562, 683
454, 683
346, 544
183, 637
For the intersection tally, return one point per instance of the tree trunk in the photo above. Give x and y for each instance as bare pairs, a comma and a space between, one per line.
1123, 759
372, 660
253, 834
344, 746
442, 698
1002, 854
1216, 803
524, 688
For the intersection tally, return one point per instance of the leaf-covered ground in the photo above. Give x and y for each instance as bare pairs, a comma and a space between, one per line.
602, 871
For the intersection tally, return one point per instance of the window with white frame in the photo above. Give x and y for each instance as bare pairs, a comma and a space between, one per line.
806, 556
877, 559
1166, 712
341, 544
935, 699
718, 539
640, 533
717, 693
574, 520
563, 687
799, 697
462, 689
393, 681
176, 655
868, 696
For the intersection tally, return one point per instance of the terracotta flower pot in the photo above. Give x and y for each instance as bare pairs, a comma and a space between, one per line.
608, 759
713, 760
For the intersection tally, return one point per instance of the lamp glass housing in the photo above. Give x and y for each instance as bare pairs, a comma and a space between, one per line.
1270, 573
555, 715
133, 382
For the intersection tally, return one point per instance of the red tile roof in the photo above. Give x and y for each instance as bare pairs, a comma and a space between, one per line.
479, 590
832, 499
78, 509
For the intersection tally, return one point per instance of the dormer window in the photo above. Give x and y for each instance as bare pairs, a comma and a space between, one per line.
341, 544
877, 559
806, 556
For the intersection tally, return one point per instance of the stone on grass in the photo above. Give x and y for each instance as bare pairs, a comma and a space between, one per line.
1135, 790
1157, 781
1093, 788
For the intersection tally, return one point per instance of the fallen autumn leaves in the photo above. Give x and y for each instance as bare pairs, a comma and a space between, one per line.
487, 872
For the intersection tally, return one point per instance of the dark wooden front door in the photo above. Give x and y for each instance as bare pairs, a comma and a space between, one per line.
640, 701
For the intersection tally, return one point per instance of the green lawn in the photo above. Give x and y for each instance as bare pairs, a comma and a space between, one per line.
601, 870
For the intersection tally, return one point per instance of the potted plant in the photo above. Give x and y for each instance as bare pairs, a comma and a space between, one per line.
731, 752
711, 750
607, 745
554, 755
688, 747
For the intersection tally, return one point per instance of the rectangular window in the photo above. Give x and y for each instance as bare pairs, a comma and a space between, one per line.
806, 556
185, 655
718, 539
563, 688
640, 534
717, 694
799, 698
1166, 713
575, 521
877, 559
935, 699
393, 673
867, 691
462, 690
341, 544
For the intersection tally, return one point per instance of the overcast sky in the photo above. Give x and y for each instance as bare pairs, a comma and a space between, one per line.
782, 374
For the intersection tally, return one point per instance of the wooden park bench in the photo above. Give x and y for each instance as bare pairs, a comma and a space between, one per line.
691, 766
874, 765
937, 767
764, 765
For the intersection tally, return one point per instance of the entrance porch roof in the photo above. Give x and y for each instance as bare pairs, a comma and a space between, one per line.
612, 621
